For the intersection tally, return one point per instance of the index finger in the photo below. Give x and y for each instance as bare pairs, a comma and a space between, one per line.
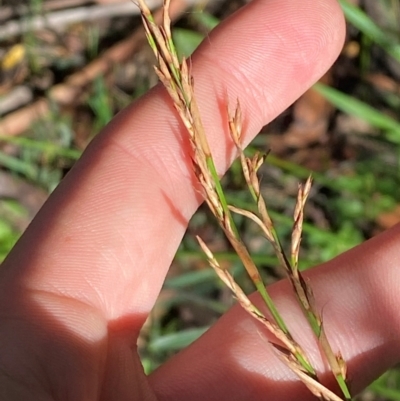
107, 235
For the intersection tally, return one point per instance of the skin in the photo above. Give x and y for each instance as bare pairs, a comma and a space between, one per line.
78, 286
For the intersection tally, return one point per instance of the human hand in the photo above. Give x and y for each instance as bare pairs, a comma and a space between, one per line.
78, 286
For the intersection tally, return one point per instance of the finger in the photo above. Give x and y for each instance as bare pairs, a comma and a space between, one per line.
108, 234
357, 294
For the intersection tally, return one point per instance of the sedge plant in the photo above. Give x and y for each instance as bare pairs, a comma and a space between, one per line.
176, 78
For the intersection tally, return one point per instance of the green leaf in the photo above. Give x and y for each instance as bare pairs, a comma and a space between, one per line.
176, 341
351, 105
186, 41
368, 27
205, 20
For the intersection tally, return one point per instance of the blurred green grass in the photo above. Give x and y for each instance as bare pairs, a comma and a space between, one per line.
351, 195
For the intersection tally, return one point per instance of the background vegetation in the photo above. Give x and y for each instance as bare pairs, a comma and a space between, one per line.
58, 89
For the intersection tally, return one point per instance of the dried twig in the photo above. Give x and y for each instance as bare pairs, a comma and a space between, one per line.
72, 88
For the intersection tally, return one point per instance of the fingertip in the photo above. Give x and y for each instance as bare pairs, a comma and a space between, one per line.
284, 48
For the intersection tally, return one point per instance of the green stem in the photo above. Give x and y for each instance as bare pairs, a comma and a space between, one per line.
343, 386
271, 306
316, 327
221, 194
